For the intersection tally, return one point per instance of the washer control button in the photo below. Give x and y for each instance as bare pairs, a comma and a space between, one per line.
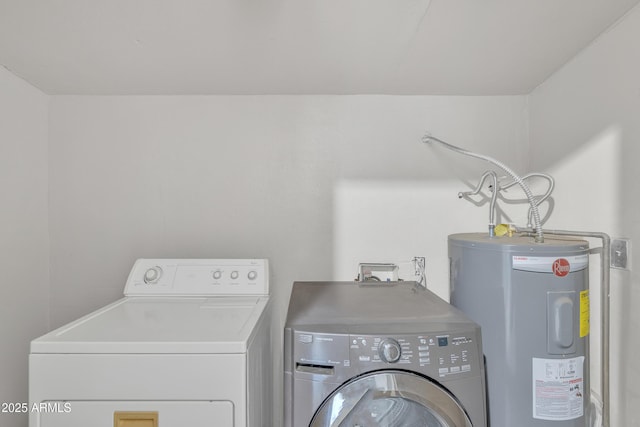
217, 275
234, 275
253, 275
152, 275
390, 350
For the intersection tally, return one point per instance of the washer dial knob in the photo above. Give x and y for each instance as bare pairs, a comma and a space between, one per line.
217, 275
234, 275
152, 275
253, 275
390, 350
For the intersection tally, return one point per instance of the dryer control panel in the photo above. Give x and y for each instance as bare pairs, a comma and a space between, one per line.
198, 277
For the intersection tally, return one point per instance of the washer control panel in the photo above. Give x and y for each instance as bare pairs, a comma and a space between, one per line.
338, 357
198, 277
441, 354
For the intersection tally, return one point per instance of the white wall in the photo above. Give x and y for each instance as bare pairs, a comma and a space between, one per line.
264, 176
585, 128
24, 242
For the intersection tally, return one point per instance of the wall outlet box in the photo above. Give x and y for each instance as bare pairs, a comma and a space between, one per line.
621, 254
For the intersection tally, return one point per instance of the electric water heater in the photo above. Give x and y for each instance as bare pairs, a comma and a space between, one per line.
532, 302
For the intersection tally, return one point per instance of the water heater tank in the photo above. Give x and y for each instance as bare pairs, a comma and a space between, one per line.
532, 302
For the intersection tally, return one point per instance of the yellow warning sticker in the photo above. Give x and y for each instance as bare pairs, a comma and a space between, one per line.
584, 313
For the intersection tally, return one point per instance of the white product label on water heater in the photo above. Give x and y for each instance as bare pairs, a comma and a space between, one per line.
558, 389
560, 266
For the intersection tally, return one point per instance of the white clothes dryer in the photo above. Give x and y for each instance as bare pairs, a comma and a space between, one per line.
189, 344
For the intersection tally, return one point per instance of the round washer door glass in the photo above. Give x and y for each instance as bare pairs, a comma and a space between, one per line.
390, 399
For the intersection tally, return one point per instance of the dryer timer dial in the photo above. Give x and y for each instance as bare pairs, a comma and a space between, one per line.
152, 275
390, 350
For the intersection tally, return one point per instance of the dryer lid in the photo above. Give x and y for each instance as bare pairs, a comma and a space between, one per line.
388, 399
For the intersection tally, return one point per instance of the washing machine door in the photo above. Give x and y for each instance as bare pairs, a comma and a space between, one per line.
390, 399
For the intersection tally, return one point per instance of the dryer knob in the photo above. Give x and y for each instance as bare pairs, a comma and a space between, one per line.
152, 275
390, 350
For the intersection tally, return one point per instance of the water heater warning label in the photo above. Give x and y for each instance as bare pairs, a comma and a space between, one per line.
584, 313
558, 389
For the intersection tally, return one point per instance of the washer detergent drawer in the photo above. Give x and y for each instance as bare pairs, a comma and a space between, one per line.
135, 414
388, 399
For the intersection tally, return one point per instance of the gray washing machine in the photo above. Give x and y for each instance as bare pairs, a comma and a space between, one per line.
385, 354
